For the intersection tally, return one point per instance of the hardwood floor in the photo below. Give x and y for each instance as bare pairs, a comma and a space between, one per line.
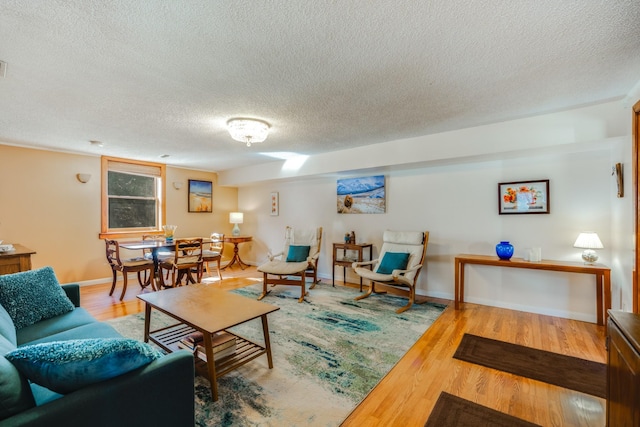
406, 396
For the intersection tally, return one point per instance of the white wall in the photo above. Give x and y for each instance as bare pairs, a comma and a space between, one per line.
457, 202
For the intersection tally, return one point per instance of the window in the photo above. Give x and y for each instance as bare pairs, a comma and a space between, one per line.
132, 196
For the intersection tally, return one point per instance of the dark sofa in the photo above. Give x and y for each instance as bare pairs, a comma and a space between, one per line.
161, 393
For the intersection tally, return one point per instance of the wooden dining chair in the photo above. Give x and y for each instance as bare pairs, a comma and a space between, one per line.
138, 265
162, 254
186, 262
214, 253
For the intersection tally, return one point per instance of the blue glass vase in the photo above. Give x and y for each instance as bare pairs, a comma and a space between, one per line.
504, 250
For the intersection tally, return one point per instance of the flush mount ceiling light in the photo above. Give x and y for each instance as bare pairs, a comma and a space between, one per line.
249, 131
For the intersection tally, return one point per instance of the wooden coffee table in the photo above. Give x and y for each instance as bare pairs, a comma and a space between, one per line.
202, 307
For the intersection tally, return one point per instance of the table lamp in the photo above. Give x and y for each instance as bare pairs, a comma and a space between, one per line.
236, 218
588, 240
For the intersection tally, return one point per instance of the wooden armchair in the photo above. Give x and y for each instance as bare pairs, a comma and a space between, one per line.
298, 258
132, 265
398, 265
186, 261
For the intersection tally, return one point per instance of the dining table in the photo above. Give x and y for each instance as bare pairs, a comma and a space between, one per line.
154, 245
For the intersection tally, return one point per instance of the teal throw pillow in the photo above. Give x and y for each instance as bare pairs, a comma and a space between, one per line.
298, 253
393, 261
66, 366
32, 296
15, 393
7, 328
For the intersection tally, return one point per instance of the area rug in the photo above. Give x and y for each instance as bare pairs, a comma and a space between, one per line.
577, 374
328, 353
453, 411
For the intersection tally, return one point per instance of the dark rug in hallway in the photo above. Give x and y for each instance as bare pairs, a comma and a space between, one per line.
453, 411
564, 371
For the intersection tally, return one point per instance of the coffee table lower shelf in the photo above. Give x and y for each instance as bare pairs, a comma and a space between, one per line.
167, 338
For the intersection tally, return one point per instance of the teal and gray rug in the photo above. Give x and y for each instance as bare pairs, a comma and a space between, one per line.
328, 353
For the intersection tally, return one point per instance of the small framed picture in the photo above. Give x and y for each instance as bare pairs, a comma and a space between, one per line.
275, 208
200, 196
524, 197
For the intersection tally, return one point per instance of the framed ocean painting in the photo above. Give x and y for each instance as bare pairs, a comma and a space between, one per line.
364, 195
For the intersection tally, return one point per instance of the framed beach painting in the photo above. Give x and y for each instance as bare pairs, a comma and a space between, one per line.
524, 197
364, 195
200, 196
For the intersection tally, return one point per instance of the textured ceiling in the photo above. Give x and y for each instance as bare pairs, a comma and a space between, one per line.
156, 77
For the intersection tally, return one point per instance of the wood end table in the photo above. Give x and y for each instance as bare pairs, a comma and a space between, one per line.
345, 262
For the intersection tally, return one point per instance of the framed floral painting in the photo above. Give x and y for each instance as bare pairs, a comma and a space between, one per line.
524, 197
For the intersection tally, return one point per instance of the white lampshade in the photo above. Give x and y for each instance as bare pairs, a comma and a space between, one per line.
236, 218
249, 131
588, 240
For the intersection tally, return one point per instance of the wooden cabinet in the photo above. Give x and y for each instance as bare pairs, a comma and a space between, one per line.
623, 369
16, 260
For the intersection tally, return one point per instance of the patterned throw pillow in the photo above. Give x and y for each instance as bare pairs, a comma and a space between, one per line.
66, 366
298, 253
32, 296
393, 261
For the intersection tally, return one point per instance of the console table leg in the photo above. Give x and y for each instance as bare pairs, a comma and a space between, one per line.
606, 279
599, 301
459, 284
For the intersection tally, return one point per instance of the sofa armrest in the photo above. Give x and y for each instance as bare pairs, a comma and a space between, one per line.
136, 398
73, 292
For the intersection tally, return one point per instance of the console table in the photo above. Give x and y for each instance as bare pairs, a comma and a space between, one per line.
346, 262
15, 261
601, 272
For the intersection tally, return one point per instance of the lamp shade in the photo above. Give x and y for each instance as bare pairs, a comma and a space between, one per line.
236, 217
588, 240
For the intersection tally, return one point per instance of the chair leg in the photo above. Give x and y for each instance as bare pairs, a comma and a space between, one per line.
303, 287
124, 288
412, 297
219, 270
113, 284
315, 280
264, 287
368, 294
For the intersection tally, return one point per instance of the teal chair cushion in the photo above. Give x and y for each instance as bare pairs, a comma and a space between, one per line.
298, 253
393, 261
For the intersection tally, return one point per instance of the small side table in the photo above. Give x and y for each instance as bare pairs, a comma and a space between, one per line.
346, 262
236, 240
17, 260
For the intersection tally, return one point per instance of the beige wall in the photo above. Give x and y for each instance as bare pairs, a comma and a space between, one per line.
44, 207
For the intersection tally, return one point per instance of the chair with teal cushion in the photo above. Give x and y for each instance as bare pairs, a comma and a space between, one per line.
298, 258
398, 264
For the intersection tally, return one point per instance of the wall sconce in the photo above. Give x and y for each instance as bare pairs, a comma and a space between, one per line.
83, 177
236, 218
177, 184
